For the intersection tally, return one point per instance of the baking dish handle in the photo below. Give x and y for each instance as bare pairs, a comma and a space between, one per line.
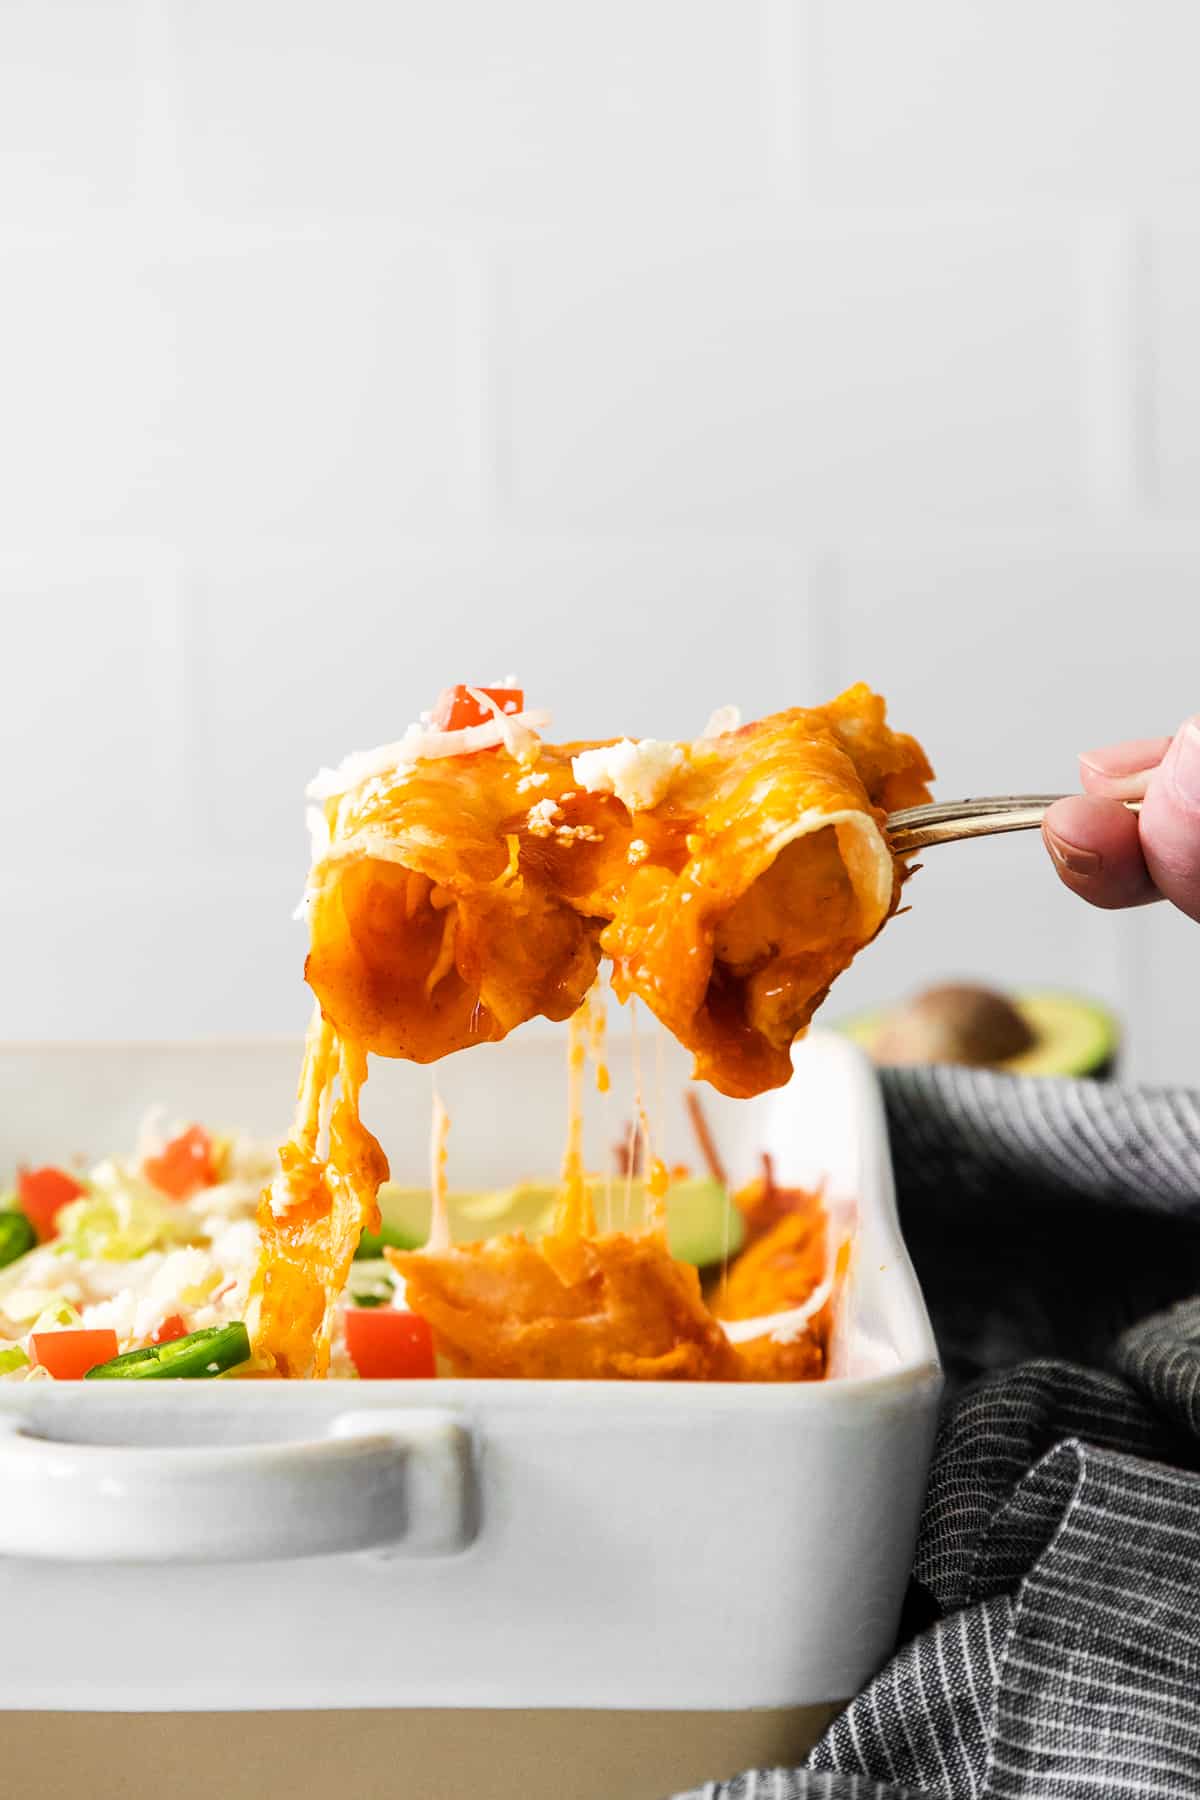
394, 1481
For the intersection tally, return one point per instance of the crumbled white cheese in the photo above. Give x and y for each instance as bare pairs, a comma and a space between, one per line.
722, 722
638, 774
236, 1246
186, 1275
536, 778
542, 819
579, 834
516, 732
639, 850
119, 1312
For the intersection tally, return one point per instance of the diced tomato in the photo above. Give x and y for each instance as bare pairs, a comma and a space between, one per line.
385, 1344
184, 1165
41, 1192
172, 1327
456, 708
69, 1354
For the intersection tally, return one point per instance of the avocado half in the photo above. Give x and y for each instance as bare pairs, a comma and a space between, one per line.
1032, 1033
703, 1224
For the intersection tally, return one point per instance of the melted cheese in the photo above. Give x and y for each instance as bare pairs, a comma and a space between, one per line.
443, 914
445, 955
597, 1034
574, 1217
312, 1214
439, 1214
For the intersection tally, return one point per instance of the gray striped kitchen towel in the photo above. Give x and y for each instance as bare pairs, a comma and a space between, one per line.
1051, 1642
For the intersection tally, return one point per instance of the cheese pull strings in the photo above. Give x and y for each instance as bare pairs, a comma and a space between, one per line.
312, 1214
574, 1217
439, 1210
597, 1021
653, 1168
314, 1097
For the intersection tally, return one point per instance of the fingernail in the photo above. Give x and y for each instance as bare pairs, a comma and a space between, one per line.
1125, 768
1100, 762
1186, 762
1130, 785
1069, 856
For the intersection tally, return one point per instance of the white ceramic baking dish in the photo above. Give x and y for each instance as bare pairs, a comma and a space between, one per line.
470, 1544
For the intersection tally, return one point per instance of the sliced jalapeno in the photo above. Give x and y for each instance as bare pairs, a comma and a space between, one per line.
16, 1236
199, 1354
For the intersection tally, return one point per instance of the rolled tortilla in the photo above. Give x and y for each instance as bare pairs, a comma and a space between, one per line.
457, 898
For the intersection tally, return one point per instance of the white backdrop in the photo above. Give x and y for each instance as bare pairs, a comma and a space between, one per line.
669, 352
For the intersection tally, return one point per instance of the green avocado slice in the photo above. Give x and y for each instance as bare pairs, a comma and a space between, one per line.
1072, 1036
703, 1224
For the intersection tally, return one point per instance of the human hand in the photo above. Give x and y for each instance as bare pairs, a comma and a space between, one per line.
1112, 857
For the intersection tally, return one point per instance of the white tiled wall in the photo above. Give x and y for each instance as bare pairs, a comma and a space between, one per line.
669, 352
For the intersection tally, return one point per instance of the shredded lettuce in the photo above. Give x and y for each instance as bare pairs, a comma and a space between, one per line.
121, 1218
25, 1303
60, 1315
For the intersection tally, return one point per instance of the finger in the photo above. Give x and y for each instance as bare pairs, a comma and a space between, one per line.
1170, 822
1095, 848
1122, 771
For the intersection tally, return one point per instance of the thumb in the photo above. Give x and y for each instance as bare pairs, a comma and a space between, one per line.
1170, 821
